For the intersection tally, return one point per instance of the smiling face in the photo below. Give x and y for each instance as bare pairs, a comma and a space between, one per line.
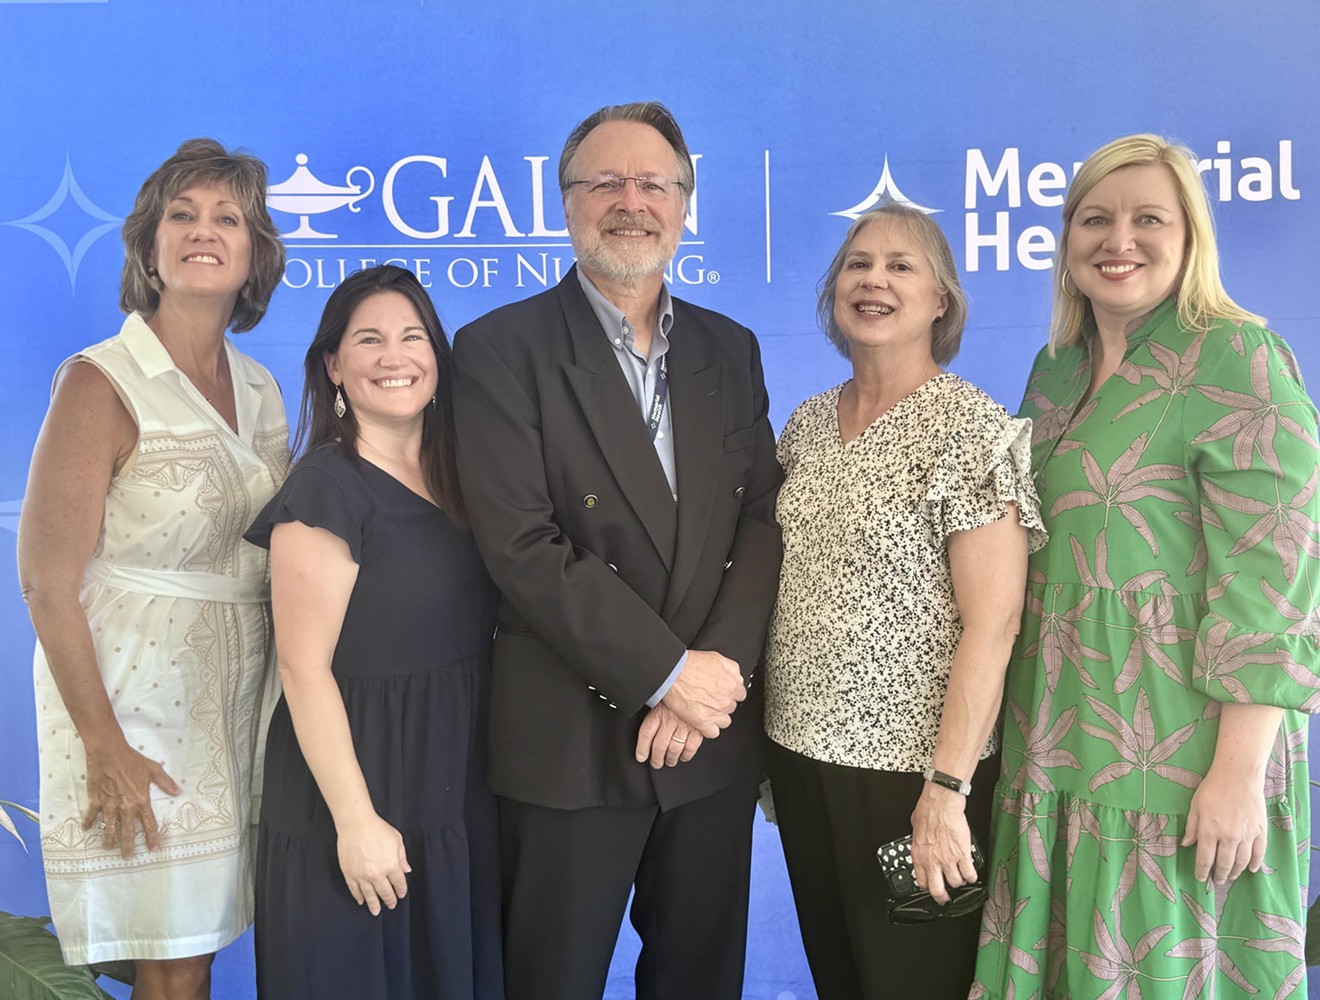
886, 296
1126, 243
202, 245
385, 363
624, 238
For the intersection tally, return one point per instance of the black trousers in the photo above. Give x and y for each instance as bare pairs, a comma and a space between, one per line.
831, 820
567, 875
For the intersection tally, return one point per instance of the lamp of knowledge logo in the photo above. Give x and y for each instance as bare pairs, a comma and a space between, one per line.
304, 196
1001, 241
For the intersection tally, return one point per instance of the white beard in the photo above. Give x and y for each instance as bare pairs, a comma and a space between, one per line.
625, 264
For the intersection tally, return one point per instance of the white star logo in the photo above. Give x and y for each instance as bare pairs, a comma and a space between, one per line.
68, 189
885, 190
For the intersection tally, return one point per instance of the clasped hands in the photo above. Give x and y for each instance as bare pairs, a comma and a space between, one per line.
696, 707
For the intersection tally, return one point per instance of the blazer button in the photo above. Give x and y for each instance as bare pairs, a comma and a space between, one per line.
728, 563
613, 567
590, 500
740, 491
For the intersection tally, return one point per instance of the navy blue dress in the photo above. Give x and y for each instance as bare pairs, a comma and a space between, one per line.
412, 665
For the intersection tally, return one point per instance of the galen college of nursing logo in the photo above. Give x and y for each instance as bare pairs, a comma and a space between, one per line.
1000, 239
511, 230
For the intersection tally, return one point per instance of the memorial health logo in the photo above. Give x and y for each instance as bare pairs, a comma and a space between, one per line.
885, 191
1002, 194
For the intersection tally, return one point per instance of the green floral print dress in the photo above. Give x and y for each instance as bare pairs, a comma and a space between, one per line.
1182, 572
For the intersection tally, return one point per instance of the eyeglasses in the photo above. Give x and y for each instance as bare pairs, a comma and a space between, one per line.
918, 910
650, 187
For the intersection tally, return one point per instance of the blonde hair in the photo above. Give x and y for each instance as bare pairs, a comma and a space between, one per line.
1200, 292
947, 331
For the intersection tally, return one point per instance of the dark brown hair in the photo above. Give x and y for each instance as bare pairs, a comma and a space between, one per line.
317, 423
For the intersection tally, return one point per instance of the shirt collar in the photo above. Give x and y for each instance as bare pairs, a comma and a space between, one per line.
153, 359
615, 323
1159, 315
145, 347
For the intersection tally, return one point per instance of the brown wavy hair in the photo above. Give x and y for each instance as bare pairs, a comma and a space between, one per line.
203, 162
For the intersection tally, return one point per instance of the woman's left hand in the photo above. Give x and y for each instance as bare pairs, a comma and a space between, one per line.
941, 842
1227, 824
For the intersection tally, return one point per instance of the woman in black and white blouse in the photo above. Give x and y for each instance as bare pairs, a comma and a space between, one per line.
907, 514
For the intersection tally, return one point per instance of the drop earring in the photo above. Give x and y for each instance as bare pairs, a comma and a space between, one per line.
340, 408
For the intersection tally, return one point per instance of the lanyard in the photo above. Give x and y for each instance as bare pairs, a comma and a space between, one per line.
661, 397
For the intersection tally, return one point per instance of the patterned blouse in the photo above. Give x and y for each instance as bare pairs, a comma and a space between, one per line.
866, 626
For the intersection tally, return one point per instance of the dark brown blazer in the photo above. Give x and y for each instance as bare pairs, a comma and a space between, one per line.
605, 580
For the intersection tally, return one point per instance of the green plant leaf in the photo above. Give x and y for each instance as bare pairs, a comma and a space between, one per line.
123, 971
8, 823
31, 967
1313, 934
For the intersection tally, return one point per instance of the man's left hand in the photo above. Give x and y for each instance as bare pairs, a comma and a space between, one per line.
666, 739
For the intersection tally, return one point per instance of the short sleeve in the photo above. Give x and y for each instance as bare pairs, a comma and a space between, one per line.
1252, 448
985, 465
321, 494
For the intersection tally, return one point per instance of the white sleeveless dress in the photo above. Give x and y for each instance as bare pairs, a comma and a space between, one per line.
179, 613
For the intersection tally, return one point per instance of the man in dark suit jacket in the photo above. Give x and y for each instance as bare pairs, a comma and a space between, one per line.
619, 470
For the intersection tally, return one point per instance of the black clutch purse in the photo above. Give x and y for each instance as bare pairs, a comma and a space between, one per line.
910, 904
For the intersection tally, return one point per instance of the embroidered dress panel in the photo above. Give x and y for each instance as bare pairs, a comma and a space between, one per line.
177, 604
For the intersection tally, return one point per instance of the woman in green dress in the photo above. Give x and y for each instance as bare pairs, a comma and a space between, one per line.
1152, 819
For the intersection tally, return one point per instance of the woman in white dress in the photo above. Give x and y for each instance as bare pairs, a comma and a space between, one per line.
151, 612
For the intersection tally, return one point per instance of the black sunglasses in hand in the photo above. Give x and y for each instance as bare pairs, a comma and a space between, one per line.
908, 902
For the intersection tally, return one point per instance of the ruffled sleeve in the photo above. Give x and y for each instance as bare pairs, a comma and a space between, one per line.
322, 491
986, 465
1252, 448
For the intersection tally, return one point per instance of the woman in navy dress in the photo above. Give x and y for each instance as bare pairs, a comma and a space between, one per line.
377, 865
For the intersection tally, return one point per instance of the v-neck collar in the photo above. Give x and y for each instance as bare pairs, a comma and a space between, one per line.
154, 360
899, 405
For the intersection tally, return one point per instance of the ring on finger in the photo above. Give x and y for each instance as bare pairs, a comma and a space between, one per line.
677, 740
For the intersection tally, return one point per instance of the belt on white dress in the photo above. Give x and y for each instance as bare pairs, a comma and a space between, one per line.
171, 583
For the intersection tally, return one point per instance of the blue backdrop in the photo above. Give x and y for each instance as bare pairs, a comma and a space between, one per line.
428, 134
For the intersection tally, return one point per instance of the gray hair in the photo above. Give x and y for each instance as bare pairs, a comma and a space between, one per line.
946, 334
651, 113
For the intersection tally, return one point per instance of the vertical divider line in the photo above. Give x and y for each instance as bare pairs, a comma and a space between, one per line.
767, 216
